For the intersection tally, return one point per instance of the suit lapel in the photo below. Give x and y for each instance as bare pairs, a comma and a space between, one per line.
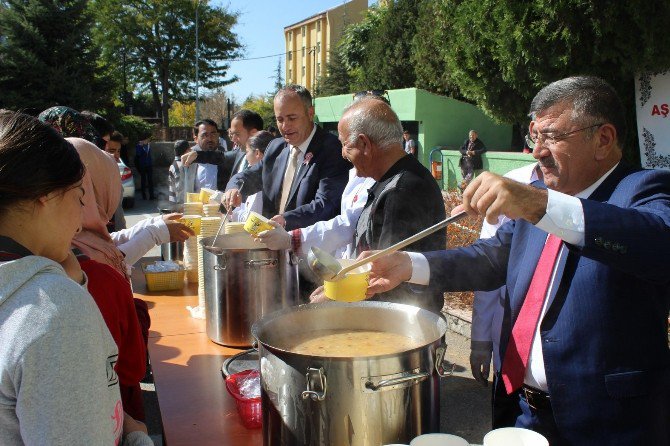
238, 159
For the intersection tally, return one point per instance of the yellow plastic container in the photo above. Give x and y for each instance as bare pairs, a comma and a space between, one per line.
350, 288
164, 281
192, 221
193, 197
256, 223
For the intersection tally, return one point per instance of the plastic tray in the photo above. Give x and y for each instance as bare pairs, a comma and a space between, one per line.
164, 281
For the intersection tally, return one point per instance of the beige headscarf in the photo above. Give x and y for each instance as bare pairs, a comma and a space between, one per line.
102, 193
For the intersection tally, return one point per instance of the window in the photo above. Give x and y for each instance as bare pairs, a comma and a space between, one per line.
303, 70
303, 51
290, 75
318, 26
290, 55
303, 30
290, 36
318, 47
318, 68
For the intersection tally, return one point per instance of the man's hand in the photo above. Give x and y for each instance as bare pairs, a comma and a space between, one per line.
280, 220
275, 239
491, 195
72, 268
388, 272
179, 232
232, 198
480, 360
189, 158
318, 295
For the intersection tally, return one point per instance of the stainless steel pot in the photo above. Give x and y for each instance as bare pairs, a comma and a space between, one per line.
244, 281
357, 401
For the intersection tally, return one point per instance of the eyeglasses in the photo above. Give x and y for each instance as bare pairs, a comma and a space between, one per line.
548, 138
381, 94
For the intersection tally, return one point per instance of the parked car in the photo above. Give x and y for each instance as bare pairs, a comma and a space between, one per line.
128, 183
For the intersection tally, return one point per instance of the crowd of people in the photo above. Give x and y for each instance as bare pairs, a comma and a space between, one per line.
573, 250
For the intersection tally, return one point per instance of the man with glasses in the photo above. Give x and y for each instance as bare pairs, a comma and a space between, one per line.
584, 345
244, 125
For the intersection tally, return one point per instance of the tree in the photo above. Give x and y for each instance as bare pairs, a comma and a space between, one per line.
263, 105
279, 79
183, 114
158, 39
337, 80
47, 56
354, 44
500, 53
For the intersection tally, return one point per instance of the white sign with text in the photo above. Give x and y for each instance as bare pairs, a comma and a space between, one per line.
652, 99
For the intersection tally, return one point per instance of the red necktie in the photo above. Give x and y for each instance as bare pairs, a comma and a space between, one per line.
518, 349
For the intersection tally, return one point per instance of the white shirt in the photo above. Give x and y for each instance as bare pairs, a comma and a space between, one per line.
337, 234
565, 219
253, 203
303, 150
206, 174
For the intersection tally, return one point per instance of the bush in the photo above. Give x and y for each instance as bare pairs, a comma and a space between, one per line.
134, 128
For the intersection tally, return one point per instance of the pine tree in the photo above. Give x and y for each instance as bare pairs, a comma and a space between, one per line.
338, 79
47, 57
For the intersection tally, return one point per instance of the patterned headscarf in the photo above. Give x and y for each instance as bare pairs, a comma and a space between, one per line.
68, 122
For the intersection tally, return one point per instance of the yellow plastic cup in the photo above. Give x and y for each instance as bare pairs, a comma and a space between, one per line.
204, 196
256, 224
350, 288
192, 221
193, 197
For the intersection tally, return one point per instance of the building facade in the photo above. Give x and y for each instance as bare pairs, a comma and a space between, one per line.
309, 41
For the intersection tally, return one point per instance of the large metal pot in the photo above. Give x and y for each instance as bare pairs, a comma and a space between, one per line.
355, 401
244, 281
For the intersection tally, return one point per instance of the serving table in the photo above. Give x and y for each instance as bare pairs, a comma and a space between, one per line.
194, 404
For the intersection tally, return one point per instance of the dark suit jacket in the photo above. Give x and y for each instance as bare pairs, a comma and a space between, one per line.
477, 157
317, 189
227, 163
604, 336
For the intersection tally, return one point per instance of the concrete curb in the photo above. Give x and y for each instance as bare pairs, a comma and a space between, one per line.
459, 321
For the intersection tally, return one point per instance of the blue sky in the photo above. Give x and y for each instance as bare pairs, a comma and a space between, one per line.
261, 29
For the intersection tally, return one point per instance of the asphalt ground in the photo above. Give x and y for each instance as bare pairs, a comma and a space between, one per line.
465, 405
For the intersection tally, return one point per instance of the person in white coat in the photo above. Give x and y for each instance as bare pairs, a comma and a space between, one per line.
335, 235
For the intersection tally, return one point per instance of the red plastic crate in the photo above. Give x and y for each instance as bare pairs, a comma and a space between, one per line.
249, 409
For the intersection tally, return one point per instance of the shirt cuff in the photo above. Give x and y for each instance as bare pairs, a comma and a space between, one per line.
564, 218
420, 269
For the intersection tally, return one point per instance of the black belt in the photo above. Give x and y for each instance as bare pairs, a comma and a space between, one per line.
536, 399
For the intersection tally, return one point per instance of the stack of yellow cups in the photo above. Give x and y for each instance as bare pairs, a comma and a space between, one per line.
208, 228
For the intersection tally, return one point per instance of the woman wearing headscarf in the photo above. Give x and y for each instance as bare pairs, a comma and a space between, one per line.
103, 263
56, 352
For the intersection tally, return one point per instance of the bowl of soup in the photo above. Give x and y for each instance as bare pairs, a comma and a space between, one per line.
352, 287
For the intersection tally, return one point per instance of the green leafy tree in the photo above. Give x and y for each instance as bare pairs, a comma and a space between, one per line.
158, 40
498, 54
353, 48
133, 128
47, 57
263, 105
279, 79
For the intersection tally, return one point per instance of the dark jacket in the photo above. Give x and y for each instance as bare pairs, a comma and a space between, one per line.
477, 157
406, 200
317, 189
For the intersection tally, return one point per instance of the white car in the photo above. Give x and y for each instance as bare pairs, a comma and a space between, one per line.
128, 183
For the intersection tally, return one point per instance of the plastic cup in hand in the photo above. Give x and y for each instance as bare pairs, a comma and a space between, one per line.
256, 224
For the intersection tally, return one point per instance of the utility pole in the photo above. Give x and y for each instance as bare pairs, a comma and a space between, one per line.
197, 62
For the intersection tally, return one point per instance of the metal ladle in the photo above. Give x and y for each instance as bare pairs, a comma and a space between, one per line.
328, 268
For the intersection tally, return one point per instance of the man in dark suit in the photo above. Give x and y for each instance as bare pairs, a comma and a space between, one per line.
303, 174
584, 338
244, 125
471, 156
